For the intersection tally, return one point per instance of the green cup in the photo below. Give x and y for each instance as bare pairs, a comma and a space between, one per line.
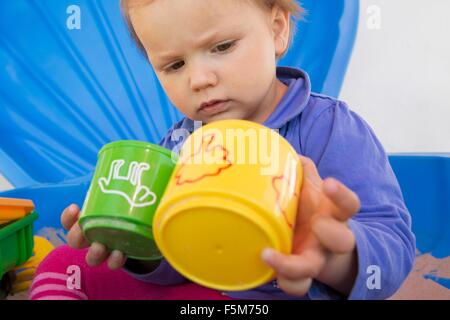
129, 180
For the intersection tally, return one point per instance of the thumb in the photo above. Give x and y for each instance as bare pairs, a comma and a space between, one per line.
310, 172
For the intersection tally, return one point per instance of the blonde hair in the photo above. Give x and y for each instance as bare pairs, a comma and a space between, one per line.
291, 6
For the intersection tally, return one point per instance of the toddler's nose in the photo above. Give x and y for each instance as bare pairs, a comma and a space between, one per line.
201, 78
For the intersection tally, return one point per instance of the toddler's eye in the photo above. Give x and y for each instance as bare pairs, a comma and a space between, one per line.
175, 66
224, 46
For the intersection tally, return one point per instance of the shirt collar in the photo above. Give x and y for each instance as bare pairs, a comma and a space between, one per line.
294, 100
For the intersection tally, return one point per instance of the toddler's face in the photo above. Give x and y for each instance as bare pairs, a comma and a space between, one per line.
203, 50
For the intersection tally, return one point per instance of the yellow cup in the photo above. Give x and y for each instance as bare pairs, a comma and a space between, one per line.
233, 192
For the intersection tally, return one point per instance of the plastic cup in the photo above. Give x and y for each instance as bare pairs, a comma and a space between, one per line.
128, 183
234, 192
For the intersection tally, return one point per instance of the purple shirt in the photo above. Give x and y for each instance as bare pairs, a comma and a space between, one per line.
343, 146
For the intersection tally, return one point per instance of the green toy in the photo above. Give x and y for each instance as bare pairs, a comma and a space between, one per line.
129, 181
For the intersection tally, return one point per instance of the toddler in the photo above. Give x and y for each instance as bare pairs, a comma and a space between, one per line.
217, 59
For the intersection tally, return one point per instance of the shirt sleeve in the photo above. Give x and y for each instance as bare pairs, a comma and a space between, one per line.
164, 274
343, 146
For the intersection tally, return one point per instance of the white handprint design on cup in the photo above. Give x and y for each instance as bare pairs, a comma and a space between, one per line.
142, 196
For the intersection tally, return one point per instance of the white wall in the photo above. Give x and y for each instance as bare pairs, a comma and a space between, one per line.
399, 75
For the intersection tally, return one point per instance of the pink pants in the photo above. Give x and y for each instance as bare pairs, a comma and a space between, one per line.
64, 275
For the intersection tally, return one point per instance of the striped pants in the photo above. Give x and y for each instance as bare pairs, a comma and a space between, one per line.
65, 275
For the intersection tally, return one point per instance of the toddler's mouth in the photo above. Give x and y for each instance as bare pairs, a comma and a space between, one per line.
213, 107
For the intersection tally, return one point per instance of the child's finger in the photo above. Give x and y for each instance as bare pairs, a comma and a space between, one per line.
116, 260
291, 266
310, 171
97, 253
345, 200
75, 237
297, 287
334, 235
70, 216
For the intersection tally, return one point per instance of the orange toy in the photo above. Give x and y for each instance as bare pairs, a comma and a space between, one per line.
14, 209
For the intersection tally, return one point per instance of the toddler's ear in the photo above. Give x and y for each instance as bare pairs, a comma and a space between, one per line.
281, 28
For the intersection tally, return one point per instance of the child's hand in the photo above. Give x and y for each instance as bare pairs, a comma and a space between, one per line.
323, 245
97, 252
